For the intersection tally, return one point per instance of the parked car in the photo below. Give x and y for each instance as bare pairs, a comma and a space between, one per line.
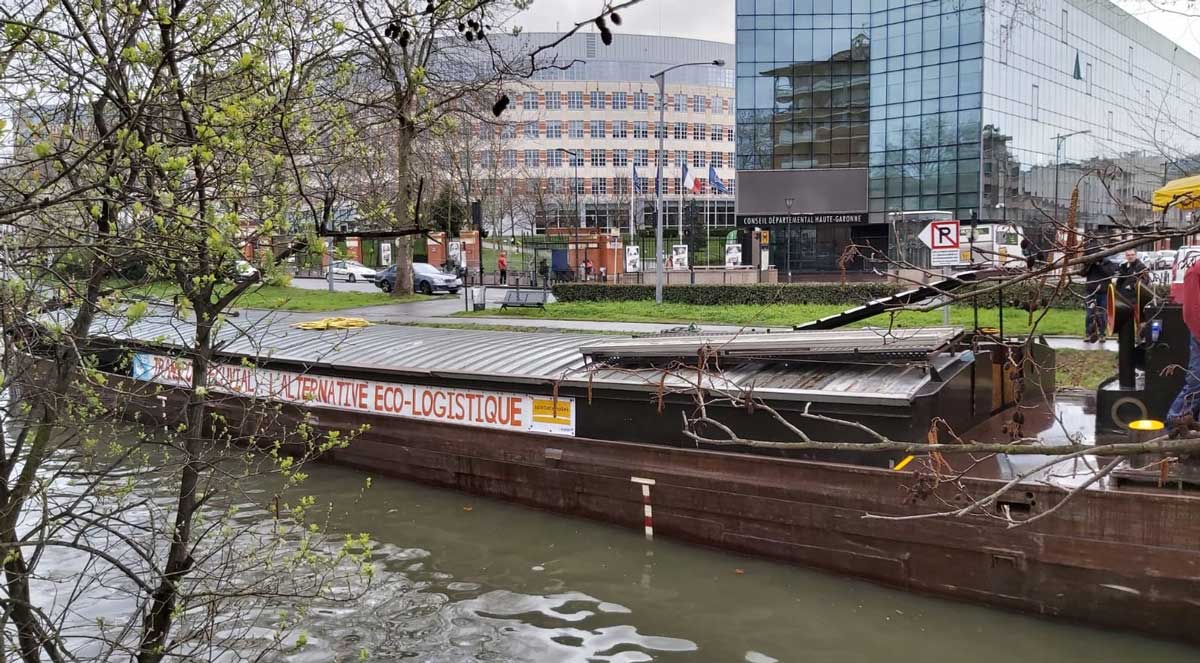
427, 280
353, 270
244, 271
1164, 259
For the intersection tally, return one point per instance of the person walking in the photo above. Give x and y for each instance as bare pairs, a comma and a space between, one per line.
1181, 416
502, 265
543, 271
1096, 281
1132, 272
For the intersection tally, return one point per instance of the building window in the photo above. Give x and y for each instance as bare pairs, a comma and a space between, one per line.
680, 157
596, 129
660, 129
532, 158
641, 158
485, 159
599, 185
620, 185
619, 101
508, 130
576, 158
599, 158
596, 99
486, 130
1063, 27
529, 101
531, 129
639, 101
640, 130
509, 158
698, 159
575, 129
729, 134
698, 131
575, 100
1035, 103
717, 159
577, 185
554, 129
717, 133
553, 158
620, 129
553, 100
698, 104
621, 157
715, 104
680, 131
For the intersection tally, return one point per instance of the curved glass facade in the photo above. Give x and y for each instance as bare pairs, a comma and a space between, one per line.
892, 86
998, 107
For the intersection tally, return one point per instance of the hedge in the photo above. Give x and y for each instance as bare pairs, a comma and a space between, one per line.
1019, 296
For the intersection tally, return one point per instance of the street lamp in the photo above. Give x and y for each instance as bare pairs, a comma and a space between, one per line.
661, 77
1059, 139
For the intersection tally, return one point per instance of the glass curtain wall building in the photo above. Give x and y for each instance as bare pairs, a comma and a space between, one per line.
857, 116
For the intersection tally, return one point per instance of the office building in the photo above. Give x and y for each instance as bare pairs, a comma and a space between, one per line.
857, 116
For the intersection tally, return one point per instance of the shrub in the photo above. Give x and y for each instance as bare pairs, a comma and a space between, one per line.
1020, 296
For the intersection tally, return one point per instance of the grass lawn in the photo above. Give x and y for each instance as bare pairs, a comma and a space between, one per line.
286, 298
1085, 368
1056, 322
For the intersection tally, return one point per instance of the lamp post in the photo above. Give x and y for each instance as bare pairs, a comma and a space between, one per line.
1058, 143
661, 77
576, 157
787, 245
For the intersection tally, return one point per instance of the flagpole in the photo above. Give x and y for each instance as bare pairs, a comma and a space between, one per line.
682, 193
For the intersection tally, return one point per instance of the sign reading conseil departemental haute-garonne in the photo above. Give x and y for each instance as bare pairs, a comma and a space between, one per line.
787, 219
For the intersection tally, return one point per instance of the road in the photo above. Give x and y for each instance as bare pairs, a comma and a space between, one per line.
338, 286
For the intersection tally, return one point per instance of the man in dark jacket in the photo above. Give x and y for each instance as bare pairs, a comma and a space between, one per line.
1097, 277
1182, 415
1132, 272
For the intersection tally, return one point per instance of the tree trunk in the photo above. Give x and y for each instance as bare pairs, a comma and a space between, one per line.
156, 626
404, 244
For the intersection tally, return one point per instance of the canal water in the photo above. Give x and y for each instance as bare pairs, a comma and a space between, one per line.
470, 579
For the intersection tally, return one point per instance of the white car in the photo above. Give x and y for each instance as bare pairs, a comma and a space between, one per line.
353, 270
244, 271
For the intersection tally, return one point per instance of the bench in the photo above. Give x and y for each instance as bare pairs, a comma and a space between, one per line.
524, 299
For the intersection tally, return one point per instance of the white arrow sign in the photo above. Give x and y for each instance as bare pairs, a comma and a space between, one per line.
942, 238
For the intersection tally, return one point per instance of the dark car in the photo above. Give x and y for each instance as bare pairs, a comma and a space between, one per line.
427, 280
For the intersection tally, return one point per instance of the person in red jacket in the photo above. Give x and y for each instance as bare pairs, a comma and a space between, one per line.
502, 266
1183, 411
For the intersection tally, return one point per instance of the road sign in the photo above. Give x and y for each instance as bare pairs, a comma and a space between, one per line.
942, 238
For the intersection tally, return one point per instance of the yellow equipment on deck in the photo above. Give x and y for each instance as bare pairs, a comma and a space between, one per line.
332, 323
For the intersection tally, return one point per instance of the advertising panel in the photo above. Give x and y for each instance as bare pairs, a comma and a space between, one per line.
466, 407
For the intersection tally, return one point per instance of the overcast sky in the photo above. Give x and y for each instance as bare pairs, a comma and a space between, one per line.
713, 19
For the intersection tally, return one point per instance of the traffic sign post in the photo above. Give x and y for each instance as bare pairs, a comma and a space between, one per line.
942, 238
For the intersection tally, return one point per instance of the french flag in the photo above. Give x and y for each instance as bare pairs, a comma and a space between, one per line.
690, 181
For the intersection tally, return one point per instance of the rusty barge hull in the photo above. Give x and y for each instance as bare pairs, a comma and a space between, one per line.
1120, 559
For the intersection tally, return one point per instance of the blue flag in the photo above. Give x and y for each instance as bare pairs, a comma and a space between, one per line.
715, 182
637, 182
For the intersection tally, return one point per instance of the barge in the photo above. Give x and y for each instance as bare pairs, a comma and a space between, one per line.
590, 426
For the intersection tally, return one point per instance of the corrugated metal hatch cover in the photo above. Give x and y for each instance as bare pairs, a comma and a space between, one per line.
498, 356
